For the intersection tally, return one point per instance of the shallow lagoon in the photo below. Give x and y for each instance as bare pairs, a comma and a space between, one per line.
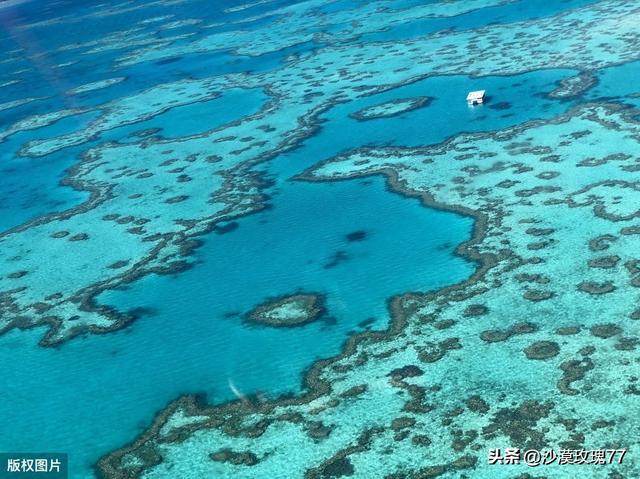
31, 187
125, 377
406, 247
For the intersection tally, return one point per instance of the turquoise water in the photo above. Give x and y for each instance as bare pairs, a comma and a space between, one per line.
408, 247
517, 11
514, 99
614, 85
125, 377
96, 393
31, 187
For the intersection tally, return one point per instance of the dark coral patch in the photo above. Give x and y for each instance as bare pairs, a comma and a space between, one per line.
523, 328
356, 236
605, 331
539, 231
627, 344
477, 404
594, 288
601, 243
409, 371
433, 352
340, 467
118, 264
548, 175
519, 424
17, 274
503, 105
225, 228
568, 330
444, 324
404, 422
475, 310
176, 199
338, 258
123, 220
318, 430
630, 230
604, 262
497, 335
166, 61
573, 370
244, 458
532, 278
542, 350
41, 307
537, 295
421, 440
355, 391
463, 439
79, 237
366, 323
494, 336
